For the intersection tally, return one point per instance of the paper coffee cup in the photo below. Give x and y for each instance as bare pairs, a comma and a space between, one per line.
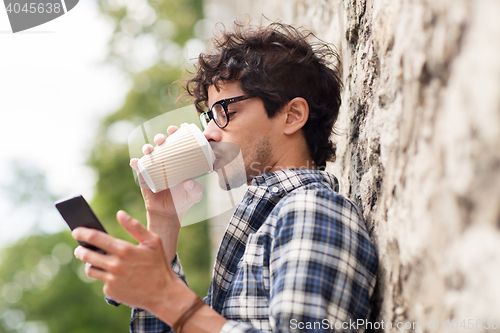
184, 154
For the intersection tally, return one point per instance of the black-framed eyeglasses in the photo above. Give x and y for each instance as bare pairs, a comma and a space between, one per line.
218, 111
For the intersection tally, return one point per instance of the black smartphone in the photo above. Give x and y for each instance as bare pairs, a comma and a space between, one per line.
77, 213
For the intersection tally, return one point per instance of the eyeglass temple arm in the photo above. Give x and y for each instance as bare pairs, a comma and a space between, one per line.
236, 99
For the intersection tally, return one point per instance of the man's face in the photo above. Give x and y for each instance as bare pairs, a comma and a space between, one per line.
249, 128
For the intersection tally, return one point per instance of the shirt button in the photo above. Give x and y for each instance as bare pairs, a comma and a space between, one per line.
275, 189
249, 201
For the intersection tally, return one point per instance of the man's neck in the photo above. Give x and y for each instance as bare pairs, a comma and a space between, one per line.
294, 159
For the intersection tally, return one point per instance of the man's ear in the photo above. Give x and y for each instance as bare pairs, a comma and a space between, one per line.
297, 113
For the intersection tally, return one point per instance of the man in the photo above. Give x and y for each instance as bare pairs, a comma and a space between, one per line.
296, 256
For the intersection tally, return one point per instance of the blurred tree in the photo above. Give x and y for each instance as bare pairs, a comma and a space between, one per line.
43, 288
163, 25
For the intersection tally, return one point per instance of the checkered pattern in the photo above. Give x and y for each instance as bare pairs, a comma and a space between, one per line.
294, 251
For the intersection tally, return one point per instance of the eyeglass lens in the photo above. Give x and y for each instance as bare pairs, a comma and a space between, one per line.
219, 115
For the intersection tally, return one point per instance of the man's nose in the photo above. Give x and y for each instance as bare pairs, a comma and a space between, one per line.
212, 132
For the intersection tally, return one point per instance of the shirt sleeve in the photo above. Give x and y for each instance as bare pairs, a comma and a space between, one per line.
322, 266
144, 322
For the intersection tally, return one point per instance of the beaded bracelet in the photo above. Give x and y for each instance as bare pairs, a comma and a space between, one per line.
193, 306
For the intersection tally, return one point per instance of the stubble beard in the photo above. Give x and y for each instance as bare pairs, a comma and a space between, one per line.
256, 156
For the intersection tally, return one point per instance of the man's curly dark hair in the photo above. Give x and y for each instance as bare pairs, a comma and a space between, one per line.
277, 63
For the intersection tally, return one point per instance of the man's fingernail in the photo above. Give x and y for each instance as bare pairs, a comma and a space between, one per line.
124, 213
190, 184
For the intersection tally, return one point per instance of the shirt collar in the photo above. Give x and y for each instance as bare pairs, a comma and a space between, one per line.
281, 182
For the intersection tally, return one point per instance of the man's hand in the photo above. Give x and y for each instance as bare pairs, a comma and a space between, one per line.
166, 209
171, 202
137, 275
140, 275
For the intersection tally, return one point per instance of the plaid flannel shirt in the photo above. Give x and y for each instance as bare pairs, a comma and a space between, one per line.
295, 256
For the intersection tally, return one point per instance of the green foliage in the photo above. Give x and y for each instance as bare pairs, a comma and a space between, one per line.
43, 282
169, 22
43, 287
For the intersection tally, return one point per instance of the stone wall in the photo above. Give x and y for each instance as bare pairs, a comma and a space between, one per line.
419, 143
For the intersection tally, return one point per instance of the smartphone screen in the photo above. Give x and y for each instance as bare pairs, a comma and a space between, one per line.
77, 213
